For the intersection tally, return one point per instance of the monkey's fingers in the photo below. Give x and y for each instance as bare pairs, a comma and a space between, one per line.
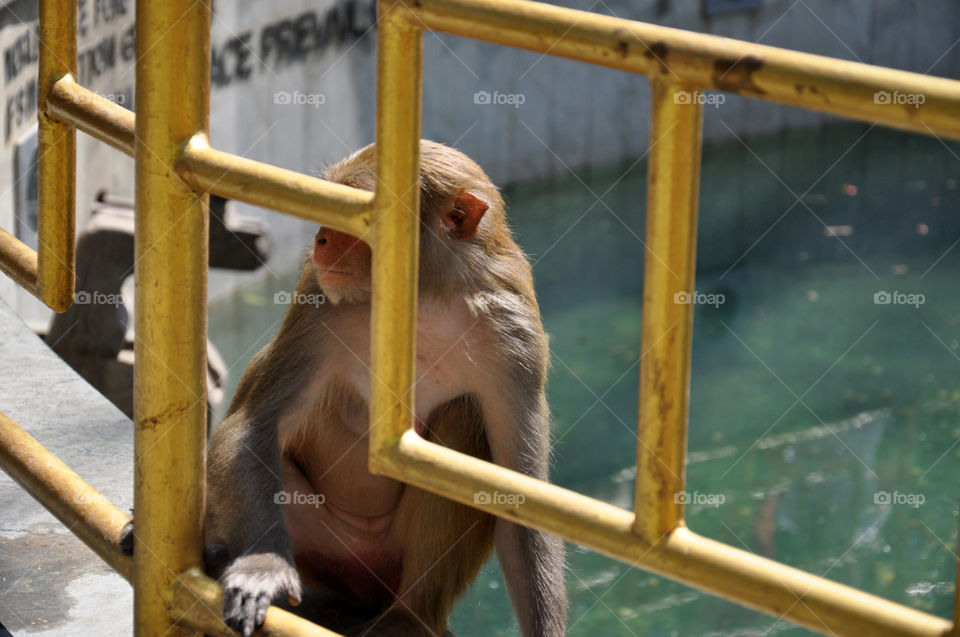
293, 601
233, 608
253, 609
262, 604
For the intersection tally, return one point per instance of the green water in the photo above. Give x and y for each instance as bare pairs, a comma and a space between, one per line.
808, 399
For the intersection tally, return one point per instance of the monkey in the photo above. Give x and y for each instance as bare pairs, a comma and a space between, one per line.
291, 507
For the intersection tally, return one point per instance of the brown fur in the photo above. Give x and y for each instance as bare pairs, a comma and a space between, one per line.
286, 415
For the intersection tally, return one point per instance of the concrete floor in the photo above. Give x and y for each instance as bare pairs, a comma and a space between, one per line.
50, 582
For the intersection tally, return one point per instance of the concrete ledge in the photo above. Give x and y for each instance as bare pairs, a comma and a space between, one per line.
49, 581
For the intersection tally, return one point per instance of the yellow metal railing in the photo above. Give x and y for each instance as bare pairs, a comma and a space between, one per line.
176, 169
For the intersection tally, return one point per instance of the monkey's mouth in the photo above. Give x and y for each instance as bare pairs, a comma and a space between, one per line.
337, 276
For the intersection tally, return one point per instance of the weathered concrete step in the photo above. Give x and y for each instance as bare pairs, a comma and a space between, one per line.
50, 582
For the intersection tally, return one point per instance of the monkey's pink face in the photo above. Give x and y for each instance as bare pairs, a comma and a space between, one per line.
342, 263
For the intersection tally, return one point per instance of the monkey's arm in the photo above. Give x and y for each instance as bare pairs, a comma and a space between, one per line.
517, 425
245, 518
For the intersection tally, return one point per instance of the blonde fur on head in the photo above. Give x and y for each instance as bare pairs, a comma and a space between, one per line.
489, 260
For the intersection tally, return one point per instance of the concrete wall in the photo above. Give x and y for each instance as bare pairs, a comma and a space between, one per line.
572, 115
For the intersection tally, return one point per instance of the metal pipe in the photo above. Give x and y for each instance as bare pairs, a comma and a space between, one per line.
324, 202
19, 262
396, 225
56, 159
94, 114
851, 89
682, 555
170, 248
208, 169
81, 508
673, 182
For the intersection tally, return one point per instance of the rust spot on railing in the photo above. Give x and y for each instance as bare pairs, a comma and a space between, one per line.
736, 76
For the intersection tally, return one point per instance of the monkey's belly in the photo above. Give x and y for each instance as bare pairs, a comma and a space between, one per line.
342, 534
366, 572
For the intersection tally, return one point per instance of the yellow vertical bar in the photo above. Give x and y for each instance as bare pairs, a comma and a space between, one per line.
395, 227
56, 159
673, 182
170, 247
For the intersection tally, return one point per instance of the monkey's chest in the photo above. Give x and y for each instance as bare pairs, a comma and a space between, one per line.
452, 358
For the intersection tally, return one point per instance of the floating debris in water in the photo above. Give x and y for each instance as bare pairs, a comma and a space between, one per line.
601, 578
789, 454
850, 190
256, 300
925, 588
837, 231
923, 229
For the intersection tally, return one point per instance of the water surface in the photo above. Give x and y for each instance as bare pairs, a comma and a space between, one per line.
823, 422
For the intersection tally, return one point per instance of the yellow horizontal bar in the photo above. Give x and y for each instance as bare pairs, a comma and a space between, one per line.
81, 508
722, 570
780, 75
324, 202
92, 113
19, 262
207, 169
198, 602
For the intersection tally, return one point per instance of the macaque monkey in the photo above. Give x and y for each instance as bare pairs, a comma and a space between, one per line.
292, 510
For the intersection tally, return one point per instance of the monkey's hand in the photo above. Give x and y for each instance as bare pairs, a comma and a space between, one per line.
250, 583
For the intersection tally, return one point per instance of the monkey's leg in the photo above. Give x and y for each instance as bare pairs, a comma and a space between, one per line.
445, 543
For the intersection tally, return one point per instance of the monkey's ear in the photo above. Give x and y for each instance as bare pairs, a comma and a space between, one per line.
464, 217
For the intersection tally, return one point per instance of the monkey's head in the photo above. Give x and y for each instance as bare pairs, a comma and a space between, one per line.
461, 226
